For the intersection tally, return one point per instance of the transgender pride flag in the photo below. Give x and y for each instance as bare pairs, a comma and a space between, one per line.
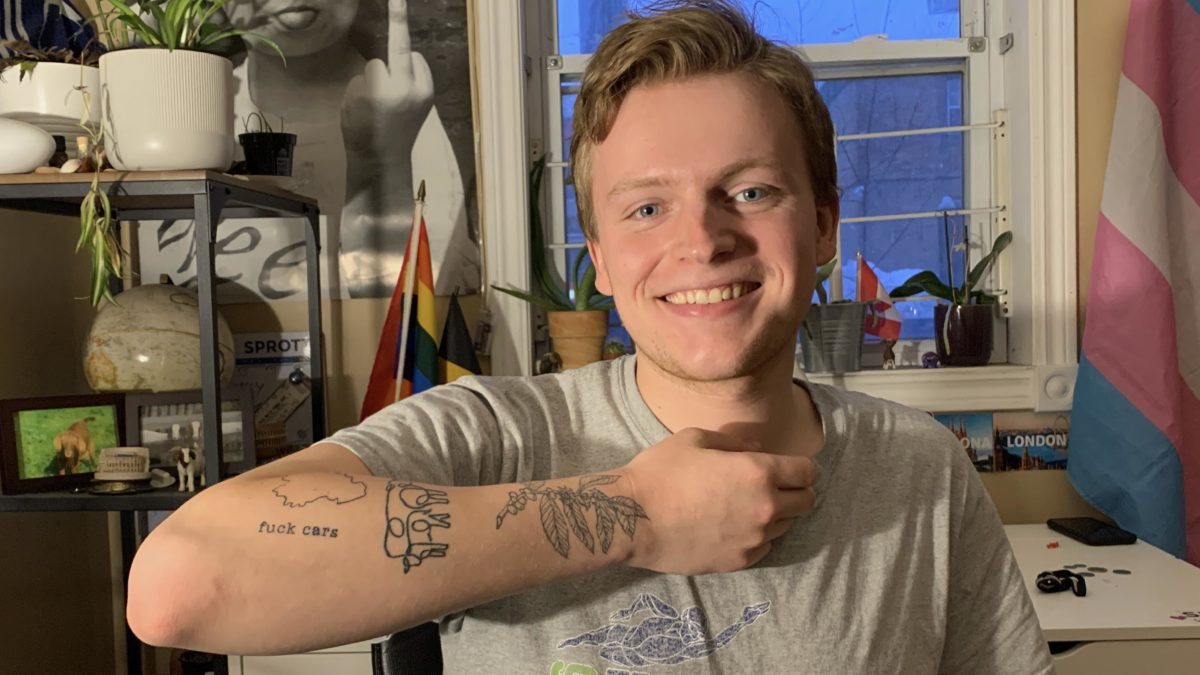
1135, 429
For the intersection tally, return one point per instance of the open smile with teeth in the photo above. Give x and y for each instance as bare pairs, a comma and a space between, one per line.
711, 296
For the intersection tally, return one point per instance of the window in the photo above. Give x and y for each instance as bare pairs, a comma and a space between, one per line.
918, 83
1002, 69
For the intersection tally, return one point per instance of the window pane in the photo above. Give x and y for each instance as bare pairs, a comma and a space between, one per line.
574, 234
581, 23
906, 174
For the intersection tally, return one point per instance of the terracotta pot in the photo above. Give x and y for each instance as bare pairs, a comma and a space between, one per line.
967, 332
578, 337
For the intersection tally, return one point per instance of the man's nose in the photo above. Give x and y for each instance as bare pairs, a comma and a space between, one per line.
706, 235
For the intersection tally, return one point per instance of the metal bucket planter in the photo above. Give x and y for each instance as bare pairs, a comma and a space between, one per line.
832, 337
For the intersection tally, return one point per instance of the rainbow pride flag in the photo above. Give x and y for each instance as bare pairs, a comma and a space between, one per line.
408, 331
1135, 427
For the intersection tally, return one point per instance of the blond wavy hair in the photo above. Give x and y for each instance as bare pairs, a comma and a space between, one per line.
673, 41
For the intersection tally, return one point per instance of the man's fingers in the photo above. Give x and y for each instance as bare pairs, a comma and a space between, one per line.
754, 555
794, 503
778, 528
715, 440
399, 39
792, 472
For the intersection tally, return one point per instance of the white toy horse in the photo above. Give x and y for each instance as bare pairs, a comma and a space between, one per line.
191, 459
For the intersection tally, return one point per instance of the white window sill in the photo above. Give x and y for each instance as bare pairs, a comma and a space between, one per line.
988, 388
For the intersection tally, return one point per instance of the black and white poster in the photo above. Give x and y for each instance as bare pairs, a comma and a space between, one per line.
378, 93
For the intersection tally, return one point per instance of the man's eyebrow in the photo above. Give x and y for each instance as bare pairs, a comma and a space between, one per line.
731, 170
636, 183
726, 172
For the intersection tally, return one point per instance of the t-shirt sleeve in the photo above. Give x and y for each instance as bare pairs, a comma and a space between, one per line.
448, 435
991, 626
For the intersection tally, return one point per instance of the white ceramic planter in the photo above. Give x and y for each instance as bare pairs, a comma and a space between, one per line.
167, 110
51, 97
26, 147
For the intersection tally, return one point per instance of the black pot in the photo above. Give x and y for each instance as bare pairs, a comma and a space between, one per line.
968, 332
268, 154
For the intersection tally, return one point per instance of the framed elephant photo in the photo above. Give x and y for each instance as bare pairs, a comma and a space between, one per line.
54, 443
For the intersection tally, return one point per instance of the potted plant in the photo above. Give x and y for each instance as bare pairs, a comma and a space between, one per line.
46, 86
268, 152
964, 325
578, 326
167, 98
832, 335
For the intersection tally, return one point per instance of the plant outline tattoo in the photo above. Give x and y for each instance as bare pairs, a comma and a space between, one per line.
300, 490
564, 511
411, 522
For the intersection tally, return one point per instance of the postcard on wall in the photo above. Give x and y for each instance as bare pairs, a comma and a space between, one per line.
276, 368
974, 431
1031, 441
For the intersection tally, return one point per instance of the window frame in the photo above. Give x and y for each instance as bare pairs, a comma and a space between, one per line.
1032, 170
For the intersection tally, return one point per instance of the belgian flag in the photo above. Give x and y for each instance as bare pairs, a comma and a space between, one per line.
456, 356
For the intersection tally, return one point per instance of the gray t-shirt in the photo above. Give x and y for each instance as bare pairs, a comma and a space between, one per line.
903, 566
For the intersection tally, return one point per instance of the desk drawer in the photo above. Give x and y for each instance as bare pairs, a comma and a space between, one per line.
1130, 657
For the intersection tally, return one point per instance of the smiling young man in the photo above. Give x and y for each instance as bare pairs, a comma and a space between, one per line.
653, 514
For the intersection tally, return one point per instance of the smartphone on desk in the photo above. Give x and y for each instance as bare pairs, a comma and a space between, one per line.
1091, 531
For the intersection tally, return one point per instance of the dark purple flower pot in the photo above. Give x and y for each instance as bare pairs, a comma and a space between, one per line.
968, 333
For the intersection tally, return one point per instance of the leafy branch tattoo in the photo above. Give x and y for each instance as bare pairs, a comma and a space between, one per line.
412, 522
301, 490
564, 511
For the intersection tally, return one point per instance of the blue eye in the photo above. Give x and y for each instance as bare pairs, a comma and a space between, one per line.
751, 195
647, 211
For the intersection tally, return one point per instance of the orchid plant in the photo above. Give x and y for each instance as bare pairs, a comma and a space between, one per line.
966, 293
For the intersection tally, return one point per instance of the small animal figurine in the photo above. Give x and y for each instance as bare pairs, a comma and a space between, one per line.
190, 459
889, 355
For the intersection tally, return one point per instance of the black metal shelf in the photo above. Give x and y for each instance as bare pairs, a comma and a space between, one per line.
206, 197
166, 499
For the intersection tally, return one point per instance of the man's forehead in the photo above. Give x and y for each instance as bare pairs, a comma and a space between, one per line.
712, 125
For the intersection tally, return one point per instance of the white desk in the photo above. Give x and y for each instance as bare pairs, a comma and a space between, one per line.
1125, 623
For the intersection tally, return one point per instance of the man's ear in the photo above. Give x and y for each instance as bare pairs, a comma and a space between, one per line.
603, 283
827, 231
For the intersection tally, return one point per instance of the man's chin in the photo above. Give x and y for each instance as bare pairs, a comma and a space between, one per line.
708, 368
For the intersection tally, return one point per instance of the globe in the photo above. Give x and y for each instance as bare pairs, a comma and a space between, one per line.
149, 340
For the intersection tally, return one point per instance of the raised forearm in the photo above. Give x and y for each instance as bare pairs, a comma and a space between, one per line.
291, 563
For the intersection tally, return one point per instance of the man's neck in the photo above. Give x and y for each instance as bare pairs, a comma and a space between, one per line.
766, 406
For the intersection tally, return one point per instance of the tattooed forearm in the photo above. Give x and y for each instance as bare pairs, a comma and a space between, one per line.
304, 489
564, 510
412, 523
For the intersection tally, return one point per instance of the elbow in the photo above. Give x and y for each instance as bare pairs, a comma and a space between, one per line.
161, 593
